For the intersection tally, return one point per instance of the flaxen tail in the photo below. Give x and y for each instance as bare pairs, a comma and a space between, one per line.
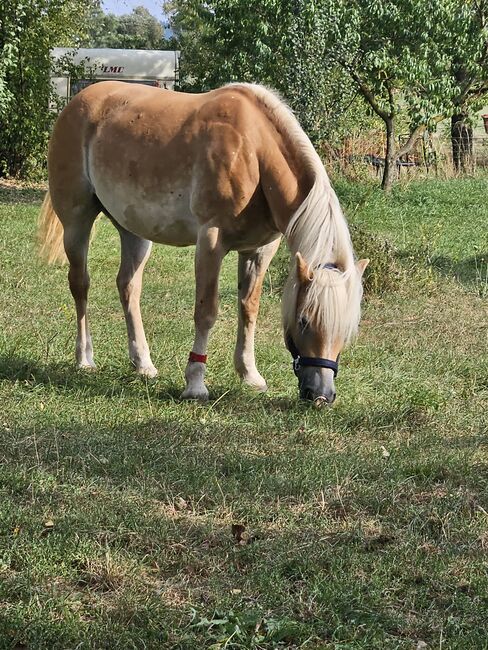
50, 233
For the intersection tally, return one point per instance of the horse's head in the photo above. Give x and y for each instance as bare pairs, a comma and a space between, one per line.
321, 310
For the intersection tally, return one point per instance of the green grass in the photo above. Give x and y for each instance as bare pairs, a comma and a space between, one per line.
365, 524
443, 223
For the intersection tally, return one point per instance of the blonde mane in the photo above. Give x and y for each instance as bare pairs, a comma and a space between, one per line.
318, 230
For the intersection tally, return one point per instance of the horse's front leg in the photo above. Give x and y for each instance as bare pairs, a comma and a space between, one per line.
252, 269
208, 259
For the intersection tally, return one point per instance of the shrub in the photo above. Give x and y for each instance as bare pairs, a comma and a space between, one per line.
384, 272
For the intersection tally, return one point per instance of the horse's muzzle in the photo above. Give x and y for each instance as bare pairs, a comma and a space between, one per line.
319, 400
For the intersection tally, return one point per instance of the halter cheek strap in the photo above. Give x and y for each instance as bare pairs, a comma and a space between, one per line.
317, 362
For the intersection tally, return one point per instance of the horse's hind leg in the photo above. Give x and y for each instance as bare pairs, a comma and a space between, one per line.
135, 252
76, 242
252, 268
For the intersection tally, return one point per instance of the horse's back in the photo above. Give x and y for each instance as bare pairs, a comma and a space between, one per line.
156, 158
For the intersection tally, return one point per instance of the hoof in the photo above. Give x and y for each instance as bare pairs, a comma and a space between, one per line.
256, 382
149, 371
198, 395
87, 366
259, 387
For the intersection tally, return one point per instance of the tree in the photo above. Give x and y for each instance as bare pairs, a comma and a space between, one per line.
29, 29
403, 58
467, 48
268, 41
393, 54
229, 40
101, 29
138, 30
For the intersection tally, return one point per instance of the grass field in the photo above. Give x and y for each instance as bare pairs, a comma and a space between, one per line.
131, 520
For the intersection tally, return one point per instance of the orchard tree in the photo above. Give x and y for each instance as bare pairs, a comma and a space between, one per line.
466, 43
393, 53
413, 62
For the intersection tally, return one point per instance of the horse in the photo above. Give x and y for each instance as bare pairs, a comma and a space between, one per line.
230, 169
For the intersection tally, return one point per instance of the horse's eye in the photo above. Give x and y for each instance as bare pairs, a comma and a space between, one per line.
303, 323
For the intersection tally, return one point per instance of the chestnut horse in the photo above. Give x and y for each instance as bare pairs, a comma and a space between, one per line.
230, 169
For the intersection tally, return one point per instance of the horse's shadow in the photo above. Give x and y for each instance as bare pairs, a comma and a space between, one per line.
65, 377
116, 382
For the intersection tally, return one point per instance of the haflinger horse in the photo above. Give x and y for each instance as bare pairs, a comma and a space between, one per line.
230, 169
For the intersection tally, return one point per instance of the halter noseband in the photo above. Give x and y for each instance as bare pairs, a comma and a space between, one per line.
317, 362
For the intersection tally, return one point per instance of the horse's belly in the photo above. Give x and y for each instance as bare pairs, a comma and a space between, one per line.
166, 219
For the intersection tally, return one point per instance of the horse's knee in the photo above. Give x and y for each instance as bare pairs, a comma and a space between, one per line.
79, 282
249, 308
205, 320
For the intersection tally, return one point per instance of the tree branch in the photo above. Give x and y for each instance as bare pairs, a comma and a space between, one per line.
368, 95
414, 136
477, 91
391, 99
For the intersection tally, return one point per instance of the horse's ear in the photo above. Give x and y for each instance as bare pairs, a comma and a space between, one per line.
361, 265
305, 275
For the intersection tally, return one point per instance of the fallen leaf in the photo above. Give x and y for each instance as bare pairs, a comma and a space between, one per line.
384, 452
238, 531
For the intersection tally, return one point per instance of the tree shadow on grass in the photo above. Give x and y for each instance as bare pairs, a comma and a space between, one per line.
470, 272
153, 498
12, 192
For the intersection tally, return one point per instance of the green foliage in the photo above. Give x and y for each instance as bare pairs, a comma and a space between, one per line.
425, 59
384, 272
29, 31
319, 94
138, 30
410, 61
274, 43
394, 51
230, 40
465, 41
249, 629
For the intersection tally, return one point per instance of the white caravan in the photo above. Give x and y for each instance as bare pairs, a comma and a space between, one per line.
152, 67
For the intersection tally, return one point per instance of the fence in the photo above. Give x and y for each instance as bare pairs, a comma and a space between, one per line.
363, 154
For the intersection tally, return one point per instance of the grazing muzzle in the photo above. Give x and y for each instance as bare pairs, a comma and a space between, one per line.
314, 384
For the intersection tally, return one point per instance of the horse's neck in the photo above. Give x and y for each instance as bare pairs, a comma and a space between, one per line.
285, 180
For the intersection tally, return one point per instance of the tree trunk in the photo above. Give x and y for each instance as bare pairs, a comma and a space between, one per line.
462, 142
390, 158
